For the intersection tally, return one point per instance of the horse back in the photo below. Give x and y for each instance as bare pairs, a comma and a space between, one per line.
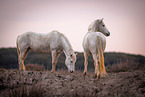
39, 42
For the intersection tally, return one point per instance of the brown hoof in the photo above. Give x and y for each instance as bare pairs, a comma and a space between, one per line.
84, 73
97, 76
52, 71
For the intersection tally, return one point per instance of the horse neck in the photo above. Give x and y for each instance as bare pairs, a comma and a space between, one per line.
95, 27
66, 46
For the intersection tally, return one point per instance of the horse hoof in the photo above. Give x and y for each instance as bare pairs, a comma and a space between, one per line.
97, 76
52, 71
84, 73
23, 70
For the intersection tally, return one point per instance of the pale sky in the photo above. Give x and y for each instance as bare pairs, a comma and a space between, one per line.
125, 19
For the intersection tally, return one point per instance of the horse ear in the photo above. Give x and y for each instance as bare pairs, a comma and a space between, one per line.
98, 20
101, 20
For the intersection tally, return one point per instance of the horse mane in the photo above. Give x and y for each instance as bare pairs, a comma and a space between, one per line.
94, 26
65, 38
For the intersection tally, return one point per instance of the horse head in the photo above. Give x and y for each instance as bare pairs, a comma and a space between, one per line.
98, 25
70, 62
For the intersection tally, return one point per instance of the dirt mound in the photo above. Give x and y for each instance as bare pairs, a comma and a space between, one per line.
16, 83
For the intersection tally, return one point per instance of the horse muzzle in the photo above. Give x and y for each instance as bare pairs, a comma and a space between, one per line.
71, 71
108, 34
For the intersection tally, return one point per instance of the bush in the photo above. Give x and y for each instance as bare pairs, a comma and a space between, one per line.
128, 65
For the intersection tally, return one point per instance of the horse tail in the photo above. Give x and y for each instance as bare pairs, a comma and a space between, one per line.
101, 56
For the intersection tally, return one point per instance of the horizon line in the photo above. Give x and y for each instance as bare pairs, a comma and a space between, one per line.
83, 51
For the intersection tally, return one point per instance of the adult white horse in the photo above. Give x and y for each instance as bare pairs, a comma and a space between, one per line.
94, 42
53, 42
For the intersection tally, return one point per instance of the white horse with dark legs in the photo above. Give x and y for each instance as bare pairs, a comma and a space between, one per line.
53, 42
94, 42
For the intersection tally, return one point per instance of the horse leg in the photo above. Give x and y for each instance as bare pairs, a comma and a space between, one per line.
22, 58
21, 61
55, 56
86, 62
96, 66
20, 66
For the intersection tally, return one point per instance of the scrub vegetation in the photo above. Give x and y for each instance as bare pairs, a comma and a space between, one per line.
126, 76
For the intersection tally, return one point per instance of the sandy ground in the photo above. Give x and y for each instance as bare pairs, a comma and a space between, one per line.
63, 84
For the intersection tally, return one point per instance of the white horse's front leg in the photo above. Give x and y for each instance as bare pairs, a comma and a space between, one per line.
54, 59
86, 62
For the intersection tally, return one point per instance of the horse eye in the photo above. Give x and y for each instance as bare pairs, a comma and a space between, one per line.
103, 25
71, 55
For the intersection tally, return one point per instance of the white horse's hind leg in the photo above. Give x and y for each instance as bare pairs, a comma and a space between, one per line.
96, 65
86, 62
22, 57
55, 56
21, 61
20, 66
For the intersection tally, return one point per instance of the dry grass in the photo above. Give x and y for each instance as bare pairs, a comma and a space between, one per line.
65, 84
24, 91
35, 67
125, 66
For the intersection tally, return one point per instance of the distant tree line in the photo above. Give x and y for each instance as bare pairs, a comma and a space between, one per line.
9, 59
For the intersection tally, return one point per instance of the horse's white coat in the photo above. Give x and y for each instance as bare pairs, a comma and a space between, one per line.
94, 42
90, 39
53, 42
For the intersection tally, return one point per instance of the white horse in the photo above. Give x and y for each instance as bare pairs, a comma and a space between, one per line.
53, 42
94, 42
